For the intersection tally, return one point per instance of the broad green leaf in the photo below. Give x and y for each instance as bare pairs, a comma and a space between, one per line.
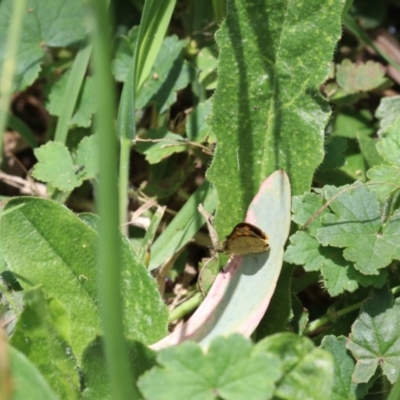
47, 244
197, 127
395, 391
389, 145
206, 62
387, 111
169, 74
305, 207
56, 167
355, 167
161, 144
384, 180
42, 334
95, 375
84, 108
87, 157
334, 157
338, 274
307, 370
304, 250
123, 54
167, 177
184, 226
47, 24
344, 388
375, 338
28, 382
354, 78
356, 225
369, 150
230, 370
349, 123
267, 111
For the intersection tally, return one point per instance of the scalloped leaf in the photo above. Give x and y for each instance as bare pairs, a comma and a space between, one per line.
231, 369
375, 338
47, 24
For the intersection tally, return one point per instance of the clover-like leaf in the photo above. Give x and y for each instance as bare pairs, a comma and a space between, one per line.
169, 73
305, 207
229, 370
206, 62
304, 250
197, 127
356, 225
384, 180
87, 157
307, 370
353, 78
387, 111
46, 24
84, 108
389, 145
369, 150
55, 166
161, 144
343, 386
338, 273
375, 338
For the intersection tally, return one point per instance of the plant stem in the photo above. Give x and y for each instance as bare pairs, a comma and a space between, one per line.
109, 251
9, 63
185, 308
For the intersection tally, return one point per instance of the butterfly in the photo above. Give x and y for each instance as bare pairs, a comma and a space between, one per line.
244, 239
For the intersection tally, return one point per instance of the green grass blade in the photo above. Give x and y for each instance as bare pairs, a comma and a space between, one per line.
184, 226
155, 20
74, 85
9, 63
150, 234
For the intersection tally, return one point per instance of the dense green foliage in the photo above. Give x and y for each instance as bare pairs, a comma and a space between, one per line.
282, 114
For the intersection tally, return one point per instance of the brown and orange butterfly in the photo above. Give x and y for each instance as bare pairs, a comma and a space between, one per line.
244, 239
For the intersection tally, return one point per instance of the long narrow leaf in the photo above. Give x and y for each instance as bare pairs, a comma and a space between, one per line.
75, 81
